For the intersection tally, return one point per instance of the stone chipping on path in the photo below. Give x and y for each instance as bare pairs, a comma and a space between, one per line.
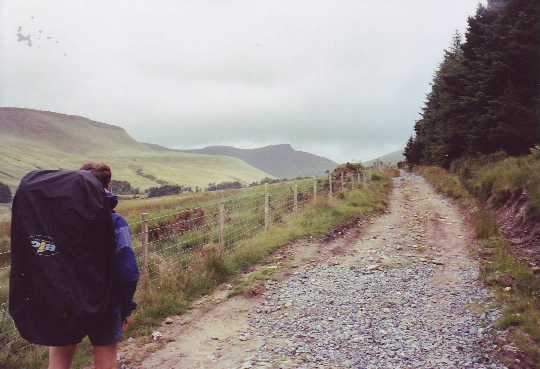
405, 294
335, 317
371, 316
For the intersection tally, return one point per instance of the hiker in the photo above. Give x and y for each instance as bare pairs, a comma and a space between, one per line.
73, 271
125, 276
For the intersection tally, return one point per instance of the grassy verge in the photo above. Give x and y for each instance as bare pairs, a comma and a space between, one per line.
497, 176
187, 276
213, 266
515, 285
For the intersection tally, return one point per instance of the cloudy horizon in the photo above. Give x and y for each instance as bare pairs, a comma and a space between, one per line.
345, 79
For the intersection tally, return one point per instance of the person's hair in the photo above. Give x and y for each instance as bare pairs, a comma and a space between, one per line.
101, 171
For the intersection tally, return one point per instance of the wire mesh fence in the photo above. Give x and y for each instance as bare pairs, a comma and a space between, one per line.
163, 242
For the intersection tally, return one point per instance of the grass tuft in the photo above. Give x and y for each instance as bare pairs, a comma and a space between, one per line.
180, 277
516, 287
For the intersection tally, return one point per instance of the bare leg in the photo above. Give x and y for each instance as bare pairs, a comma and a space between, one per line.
105, 357
61, 357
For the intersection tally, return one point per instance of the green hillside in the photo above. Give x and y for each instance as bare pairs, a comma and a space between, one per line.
31, 140
281, 161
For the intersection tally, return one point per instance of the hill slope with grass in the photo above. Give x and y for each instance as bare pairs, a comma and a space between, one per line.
281, 161
32, 140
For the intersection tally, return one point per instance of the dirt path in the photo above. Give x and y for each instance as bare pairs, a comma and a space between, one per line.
398, 292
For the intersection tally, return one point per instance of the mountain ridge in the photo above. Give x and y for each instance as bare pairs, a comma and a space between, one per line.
279, 160
37, 139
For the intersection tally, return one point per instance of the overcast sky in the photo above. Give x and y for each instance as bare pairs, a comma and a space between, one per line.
341, 78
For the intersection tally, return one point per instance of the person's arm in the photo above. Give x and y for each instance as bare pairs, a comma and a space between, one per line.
126, 267
128, 278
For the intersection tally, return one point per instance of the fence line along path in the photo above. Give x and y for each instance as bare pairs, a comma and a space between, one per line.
161, 240
164, 241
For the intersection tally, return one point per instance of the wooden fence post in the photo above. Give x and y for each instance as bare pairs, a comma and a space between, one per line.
295, 193
145, 239
364, 177
358, 180
315, 190
222, 224
342, 183
266, 207
330, 184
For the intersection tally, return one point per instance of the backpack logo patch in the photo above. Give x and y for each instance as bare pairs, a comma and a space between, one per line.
43, 245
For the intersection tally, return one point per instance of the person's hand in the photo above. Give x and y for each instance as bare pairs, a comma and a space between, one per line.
127, 323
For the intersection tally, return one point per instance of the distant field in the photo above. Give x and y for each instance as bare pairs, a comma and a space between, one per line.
160, 208
195, 215
164, 206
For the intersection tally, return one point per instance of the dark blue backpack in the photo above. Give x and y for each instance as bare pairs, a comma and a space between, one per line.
62, 247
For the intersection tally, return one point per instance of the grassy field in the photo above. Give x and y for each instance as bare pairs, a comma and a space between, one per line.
187, 259
32, 139
18, 157
167, 209
516, 286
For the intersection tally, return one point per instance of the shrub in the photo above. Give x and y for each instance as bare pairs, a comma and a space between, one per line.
272, 180
376, 177
123, 188
166, 190
140, 172
224, 186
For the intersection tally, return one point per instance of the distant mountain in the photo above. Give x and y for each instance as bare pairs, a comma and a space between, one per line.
32, 139
391, 159
281, 161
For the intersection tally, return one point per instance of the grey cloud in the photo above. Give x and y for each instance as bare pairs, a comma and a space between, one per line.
342, 78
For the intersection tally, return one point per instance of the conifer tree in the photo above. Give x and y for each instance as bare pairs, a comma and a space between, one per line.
485, 93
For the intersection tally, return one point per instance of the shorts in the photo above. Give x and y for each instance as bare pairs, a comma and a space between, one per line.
102, 330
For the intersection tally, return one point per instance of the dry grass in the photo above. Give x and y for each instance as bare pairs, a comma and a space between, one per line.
445, 183
180, 278
497, 176
517, 288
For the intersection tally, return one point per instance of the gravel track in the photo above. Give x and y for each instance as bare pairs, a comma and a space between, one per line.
403, 293
335, 317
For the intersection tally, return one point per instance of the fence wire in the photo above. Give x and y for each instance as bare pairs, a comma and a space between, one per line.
168, 241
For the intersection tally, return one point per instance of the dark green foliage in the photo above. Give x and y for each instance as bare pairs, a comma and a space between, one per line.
485, 95
141, 173
267, 180
166, 190
123, 188
224, 186
5, 193
413, 151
